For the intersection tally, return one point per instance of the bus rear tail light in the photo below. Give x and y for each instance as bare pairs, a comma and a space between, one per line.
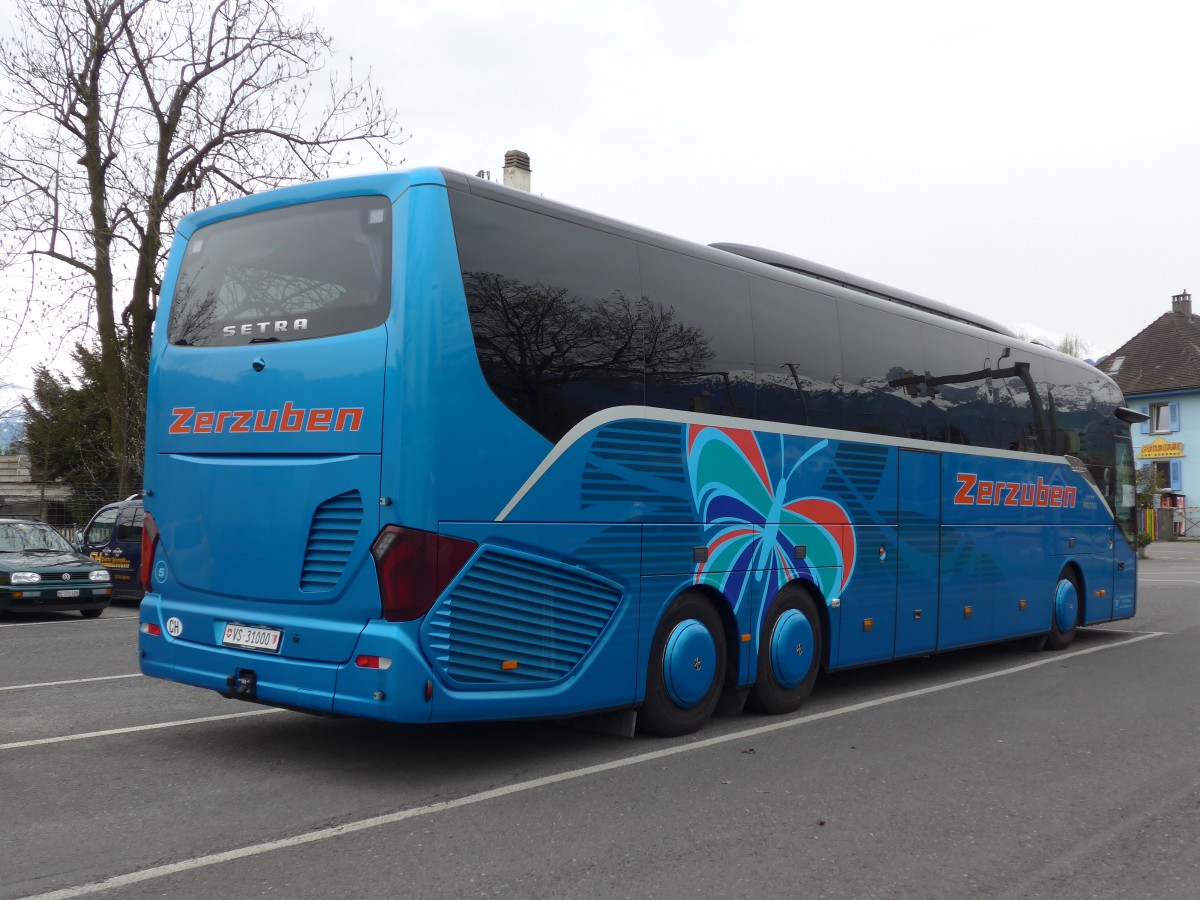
363, 661
151, 628
414, 567
149, 545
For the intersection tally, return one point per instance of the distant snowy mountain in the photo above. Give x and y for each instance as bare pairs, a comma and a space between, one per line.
1038, 335
12, 416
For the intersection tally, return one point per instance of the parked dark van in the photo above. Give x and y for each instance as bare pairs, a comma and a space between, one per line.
114, 539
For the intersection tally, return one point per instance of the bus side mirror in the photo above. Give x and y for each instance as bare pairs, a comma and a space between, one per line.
1130, 416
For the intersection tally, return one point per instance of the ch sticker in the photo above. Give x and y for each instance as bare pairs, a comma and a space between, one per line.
174, 627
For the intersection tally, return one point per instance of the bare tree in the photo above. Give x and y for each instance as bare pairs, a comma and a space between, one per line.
1071, 344
119, 116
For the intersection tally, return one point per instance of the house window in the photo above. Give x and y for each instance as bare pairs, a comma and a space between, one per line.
1116, 365
1168, 475
1164, 418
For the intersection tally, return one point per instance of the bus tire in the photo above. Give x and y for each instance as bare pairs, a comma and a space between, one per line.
686, 671
789, 653
1065, 612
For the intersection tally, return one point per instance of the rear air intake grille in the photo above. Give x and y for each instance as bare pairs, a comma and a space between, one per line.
335, 526
514, 619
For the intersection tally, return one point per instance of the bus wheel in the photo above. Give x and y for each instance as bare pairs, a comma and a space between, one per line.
687, 668
1064, 621
789, 653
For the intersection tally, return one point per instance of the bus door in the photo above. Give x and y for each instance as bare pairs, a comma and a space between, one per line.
918, 548
1124, 593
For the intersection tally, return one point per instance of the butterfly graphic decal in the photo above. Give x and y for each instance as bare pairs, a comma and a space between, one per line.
746, 488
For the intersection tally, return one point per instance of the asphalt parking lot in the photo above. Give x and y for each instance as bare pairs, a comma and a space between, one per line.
991, 772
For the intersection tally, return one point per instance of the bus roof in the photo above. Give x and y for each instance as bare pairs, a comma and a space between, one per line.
780, 261
863, 285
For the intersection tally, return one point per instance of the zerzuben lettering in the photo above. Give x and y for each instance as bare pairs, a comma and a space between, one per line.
189, 420
973, 491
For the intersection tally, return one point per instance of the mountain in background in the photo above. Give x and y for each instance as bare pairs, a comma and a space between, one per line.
12, 415
1037, 335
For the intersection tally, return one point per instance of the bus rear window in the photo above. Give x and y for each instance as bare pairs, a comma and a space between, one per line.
305, 271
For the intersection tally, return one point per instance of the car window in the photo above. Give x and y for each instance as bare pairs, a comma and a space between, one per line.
101, 529
129, 524
19, 536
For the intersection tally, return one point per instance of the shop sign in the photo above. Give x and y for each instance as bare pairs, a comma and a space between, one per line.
1161, 448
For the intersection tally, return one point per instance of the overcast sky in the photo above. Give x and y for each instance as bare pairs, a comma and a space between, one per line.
1034, 162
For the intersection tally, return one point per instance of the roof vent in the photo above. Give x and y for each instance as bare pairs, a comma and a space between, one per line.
1182, 303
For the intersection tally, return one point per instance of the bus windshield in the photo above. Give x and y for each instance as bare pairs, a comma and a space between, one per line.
311, 270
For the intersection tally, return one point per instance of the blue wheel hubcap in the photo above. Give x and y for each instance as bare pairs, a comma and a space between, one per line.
689, 663
1066, 606
792, 648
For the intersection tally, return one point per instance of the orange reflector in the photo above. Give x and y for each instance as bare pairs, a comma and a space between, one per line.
745, 638
1021, 604
868, 624
151, 629
1101, 593
967, 610
508, 665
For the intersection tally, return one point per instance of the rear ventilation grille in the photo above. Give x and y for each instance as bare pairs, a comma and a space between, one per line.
335, 527
517, 620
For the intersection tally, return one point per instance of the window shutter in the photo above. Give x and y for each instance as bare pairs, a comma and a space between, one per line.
1176, 475
1146, 424
1173, 413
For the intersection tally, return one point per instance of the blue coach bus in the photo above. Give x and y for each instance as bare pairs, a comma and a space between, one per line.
423, 448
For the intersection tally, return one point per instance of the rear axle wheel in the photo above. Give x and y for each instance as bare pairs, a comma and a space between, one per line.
687, 668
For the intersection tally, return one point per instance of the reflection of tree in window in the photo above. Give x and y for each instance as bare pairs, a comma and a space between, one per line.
554, 357
252, 278
191, 318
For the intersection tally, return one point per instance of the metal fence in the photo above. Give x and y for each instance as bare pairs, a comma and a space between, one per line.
67, 507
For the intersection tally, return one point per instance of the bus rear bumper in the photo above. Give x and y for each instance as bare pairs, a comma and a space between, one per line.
395, 692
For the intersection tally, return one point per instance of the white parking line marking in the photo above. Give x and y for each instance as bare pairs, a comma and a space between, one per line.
133, 729
323, 834
40, 684
63, 621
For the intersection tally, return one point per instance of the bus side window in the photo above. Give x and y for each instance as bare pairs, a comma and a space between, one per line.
883, 368
960, 388
554, 309
797, 355
696, 325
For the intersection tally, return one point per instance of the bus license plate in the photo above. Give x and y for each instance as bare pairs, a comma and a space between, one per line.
247, 637
71, 593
